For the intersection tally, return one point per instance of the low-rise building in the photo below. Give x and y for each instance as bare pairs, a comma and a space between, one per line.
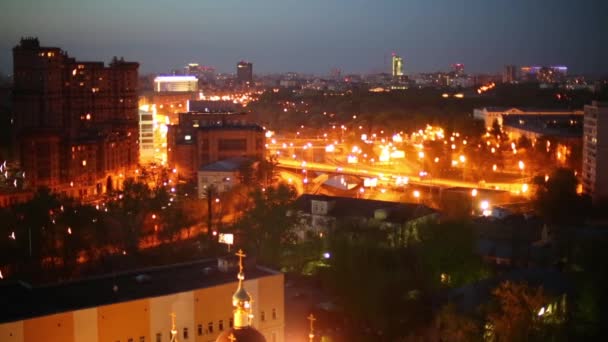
491, 114
222, 175
319, 213
136, 306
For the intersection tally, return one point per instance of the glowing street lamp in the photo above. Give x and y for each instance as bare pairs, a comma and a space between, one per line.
484, 205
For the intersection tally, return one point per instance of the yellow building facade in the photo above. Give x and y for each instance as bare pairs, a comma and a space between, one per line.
201, 315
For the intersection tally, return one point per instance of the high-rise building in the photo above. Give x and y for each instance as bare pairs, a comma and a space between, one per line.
397, 65
458, 69
595, 151
175, 83
509, 74
75, 122
244, 73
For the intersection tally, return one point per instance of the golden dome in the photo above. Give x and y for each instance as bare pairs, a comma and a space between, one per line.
241, 296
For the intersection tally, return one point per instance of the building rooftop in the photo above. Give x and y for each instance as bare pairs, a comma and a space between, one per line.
357, 207
226, 165
203, 106
567, 126
20, 301
532, 110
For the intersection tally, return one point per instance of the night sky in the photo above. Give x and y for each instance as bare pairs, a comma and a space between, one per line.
317, 35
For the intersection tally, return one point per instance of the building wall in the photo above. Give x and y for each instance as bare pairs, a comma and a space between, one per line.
209, 145
52, 328
595, 151
122, 321
85, 325
222, 180
12, 332
73, 103
142, 320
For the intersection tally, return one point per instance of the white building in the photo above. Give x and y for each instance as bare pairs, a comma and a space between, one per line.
146, 134
595, 150
489, 114
223, 175
175, 83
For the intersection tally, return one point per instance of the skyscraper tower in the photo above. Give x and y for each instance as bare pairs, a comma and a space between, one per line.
244, 73
397, 65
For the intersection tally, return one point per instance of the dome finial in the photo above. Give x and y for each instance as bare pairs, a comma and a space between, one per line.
311, 318
241, 255
173, 328
241, 300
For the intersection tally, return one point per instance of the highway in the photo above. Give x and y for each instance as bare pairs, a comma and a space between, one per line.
373, 172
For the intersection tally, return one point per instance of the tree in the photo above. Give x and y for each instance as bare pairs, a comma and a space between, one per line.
447, 254
518, 314
209, 193
496, 130
130, 212
455, 327
266, 227
380, 287
557, 200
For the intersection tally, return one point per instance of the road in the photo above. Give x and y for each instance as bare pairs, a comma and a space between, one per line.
370, 171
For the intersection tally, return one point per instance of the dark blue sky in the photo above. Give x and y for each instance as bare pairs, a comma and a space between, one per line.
316, 35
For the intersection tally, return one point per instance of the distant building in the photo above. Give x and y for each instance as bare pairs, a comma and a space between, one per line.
595, 151
397, 65
244, 73
175, 83
509, 74
490, 114
458, 69
543, 74
222, 175
533, 126
75, 122
136, 305
206, 136
320, 214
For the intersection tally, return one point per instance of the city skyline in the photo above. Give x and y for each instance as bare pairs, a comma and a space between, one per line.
279, 37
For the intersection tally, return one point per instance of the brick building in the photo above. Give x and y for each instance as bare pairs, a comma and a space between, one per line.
206, 136
75, 122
